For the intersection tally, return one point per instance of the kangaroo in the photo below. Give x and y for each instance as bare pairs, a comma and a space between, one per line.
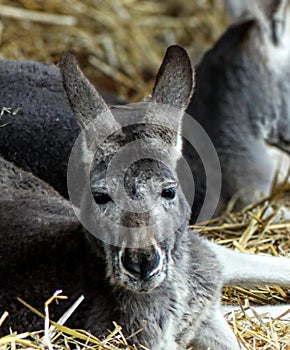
173, 285
242, 102
37, 229
140, 280
37, 137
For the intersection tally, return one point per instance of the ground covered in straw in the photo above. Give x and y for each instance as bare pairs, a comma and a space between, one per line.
120, 45
257, 230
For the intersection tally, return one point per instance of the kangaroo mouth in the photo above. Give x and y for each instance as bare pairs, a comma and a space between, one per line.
141, 286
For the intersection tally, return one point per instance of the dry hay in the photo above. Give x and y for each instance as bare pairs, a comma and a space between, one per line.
120, 44
256, 230
57, 336
258, 330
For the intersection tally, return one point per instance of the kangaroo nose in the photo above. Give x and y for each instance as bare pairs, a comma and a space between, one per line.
141, 264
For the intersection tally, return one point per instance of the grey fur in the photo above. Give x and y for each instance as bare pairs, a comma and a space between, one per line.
44, 253
242, 101
37, 229
236, 8
39, 137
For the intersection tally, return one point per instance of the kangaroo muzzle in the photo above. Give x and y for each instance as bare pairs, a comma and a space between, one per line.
142, 263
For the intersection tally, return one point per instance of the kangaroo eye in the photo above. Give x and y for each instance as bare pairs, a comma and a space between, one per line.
168, 193
101, 198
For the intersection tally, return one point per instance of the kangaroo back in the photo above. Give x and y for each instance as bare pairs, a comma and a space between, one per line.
37, 126
41, 244
242, 100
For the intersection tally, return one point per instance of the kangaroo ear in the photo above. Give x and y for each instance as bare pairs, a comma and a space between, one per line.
174, 82
276, 13
173, 88
86, 103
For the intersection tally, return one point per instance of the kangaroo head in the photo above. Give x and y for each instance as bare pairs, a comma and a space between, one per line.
244, 78
138, 206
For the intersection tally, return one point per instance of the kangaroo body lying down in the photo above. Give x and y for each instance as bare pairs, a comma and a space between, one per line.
173, 285
241, 100
37, 136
